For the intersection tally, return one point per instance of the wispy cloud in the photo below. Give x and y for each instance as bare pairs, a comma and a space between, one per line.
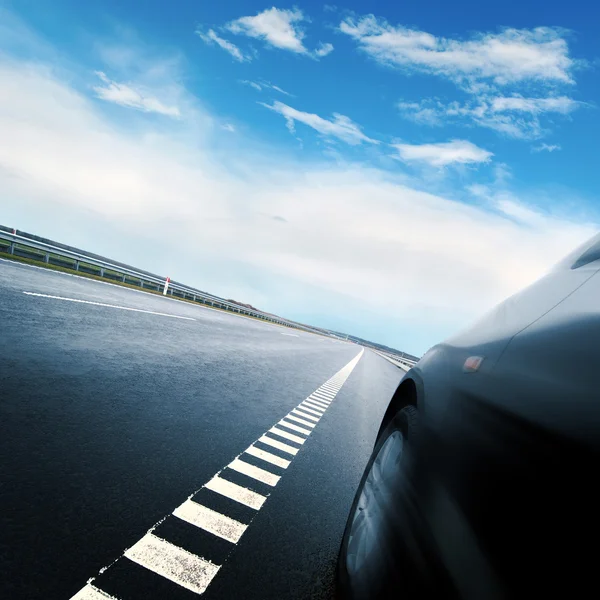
512, 55
323, 49
443, 154
213, 38
279, 28
546, 148
228, 127
264, 85
340, 127
514, 116
65, 158
131, 96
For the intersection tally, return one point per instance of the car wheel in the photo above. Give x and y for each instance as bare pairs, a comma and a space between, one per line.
368, 559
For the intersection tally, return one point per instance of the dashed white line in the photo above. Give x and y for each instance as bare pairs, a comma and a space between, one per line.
194, 572
279, 445
268, 457
297, 411
301, 421
291, 334
286, 435
172, 562
89, 592
294, 427
210, 520
255, 472
236, 492
311, 408
77, 300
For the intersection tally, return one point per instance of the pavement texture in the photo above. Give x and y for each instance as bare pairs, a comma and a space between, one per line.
111, 418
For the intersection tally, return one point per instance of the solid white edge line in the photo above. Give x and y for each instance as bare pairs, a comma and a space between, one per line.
302, 421
255, 472
297, 411
264, 439
148, 312
90, 592
212, 521
172, 562
287, 436
294, 427
268, 457
236, 492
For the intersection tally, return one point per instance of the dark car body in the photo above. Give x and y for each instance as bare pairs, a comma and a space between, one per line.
504, 495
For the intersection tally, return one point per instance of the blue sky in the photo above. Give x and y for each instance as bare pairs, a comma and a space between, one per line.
387, 170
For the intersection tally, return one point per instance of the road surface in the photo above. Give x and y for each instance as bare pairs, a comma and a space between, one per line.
119, 408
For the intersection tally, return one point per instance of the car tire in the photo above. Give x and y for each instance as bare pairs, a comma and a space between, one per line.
368, 558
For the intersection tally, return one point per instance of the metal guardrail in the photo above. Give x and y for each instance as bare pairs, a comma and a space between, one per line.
18, 245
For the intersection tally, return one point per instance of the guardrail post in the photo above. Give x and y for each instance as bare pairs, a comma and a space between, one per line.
76, 265
11, 248
101, 272
123, 277
47, 257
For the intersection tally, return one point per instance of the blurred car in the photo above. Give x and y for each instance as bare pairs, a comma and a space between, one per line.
483, 482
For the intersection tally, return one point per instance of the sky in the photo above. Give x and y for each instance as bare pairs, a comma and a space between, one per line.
389, 170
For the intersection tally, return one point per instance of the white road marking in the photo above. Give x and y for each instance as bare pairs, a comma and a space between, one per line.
296, 411
210, 520
312, 408
149, 312
195, 572
286, 435
317, 402
323, 395
236, 492
302, 421
172, 562
255, 472
294, 427
291, 334
268, 457
279, 445
89, 592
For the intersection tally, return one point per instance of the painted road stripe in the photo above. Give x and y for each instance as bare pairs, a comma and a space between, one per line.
318, 401
287, 436
302, 421
89, 592
149, 312
210, 520
333, 388
294, 427
312, 408
323, 396
268, 457
172, 562
290, 334
279, 445
255, 472
236, 492
297, 411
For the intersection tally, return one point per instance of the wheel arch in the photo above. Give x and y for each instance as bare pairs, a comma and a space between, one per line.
408, 393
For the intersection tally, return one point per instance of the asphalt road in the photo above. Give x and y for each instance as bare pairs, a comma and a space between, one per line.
111, 419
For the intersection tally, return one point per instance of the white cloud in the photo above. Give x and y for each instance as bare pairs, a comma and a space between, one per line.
340, 127
546, 148
213, 38
401, 265
513, 55
264, 85
515, 116
228, 127
279, 28
560, 104
132, 97
443, 154
323, 49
